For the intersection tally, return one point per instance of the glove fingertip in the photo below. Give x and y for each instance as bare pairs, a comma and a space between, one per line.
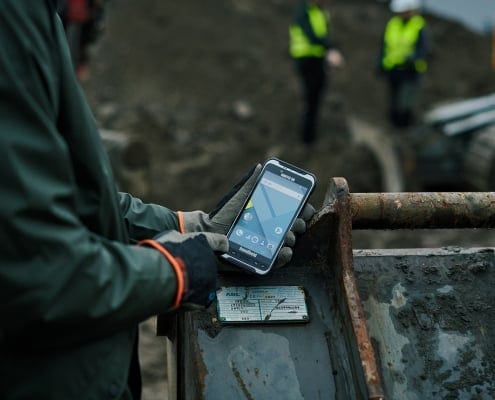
284, 257
217, 242
308, 212
290, 239
299, 226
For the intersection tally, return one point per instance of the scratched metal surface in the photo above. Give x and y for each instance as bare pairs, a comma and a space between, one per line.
274, 361
431, 318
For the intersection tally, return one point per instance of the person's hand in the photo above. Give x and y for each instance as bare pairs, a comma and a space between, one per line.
335, 58
298, 227
221, 218
193, 259
224, 213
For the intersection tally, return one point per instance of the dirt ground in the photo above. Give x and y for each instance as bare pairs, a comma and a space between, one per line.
210, 87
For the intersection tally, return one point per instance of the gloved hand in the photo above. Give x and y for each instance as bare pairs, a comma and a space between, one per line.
224, 213
298, 227
193, 259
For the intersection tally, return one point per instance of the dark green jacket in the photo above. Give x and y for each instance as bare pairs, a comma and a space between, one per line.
72, 287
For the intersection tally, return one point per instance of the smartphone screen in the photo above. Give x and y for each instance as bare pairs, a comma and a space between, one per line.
258, 232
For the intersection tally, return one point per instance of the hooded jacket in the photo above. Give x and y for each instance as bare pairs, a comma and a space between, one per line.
73, 287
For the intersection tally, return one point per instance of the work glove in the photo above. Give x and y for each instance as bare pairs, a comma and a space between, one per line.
192, 257
224, 213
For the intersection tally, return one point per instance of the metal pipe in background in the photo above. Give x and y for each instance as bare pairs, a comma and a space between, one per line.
422, 210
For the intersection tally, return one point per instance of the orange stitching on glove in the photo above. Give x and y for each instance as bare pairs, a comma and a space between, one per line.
177, 265
182, 224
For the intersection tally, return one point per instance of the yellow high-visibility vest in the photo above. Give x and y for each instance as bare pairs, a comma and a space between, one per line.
300, 45
400, 40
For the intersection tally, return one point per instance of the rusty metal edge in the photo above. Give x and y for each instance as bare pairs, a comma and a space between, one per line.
339, 194
423, 210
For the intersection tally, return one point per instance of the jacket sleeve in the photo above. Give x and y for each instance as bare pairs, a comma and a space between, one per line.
62, 283
423, 47
144, 221
381, 53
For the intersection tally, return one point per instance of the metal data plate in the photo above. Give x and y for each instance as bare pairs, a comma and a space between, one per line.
262, 304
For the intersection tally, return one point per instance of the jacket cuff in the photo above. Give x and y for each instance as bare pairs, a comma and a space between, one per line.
177, 265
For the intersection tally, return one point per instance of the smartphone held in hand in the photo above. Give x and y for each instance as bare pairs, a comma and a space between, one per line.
258, 232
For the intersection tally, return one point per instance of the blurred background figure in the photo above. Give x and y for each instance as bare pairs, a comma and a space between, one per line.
403, 59
312, 50
83, 22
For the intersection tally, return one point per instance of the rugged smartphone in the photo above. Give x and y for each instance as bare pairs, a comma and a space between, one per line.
258, 232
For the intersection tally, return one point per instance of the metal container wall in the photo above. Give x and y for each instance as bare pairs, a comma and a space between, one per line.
396, 324
431, 317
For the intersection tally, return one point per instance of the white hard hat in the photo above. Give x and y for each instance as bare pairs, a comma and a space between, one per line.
398, 6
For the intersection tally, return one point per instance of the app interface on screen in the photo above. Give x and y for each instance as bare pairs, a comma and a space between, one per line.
265, 219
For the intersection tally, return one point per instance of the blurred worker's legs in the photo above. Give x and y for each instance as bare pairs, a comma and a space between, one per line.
313, 79
84, 23
79, 48
404, 90
73, 31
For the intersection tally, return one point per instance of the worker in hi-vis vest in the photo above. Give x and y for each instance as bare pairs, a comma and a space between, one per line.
403, 59
312, 50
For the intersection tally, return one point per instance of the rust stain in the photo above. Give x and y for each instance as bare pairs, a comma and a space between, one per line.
345, 263
241, 383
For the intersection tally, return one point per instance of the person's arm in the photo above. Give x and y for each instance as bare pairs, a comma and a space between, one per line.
379, 68
302, 20
146, 220
417, 61
62, 282
423, 47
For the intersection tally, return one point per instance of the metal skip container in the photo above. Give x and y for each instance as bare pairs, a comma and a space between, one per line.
338, 323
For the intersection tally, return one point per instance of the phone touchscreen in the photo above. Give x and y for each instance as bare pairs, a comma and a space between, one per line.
259, 231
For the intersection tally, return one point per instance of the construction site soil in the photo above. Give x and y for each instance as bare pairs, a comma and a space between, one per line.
211, 90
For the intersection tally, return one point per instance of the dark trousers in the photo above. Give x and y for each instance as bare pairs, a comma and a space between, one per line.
313, 79
403, 92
